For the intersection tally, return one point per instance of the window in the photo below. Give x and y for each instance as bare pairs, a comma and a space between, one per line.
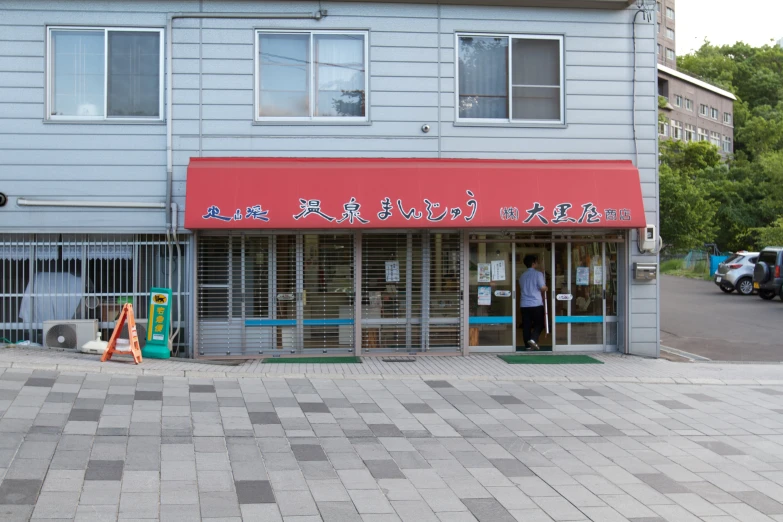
311, 75
677, 130
670, 54
715, 138
688, 104
704, 110
677, 100
714, 113
670, 33
703, 136
726, 144
659, 6
670, 13
660, 48
727, 118
528, 67
663, 128
105, 74
690, 133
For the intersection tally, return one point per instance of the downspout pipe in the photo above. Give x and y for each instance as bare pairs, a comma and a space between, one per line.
317, 15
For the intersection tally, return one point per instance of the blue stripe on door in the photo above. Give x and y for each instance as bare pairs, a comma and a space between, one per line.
580, 319
507, 319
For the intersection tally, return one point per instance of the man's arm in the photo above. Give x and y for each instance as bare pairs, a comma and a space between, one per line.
542, 284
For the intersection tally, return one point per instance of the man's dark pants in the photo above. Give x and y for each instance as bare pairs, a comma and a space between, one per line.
532, 322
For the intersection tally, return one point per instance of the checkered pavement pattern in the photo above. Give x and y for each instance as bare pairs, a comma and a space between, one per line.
89, 446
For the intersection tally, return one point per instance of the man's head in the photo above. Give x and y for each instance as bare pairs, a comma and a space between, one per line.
530, 260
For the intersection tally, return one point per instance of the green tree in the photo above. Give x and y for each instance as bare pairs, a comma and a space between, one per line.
686, 211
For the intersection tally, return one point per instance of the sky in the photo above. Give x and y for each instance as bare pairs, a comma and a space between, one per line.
727, 21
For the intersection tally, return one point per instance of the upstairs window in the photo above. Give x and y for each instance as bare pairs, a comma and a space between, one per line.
670, 13
670, 54
670, 33
714, 113
513, 78
727, 118
704, 110
677, 100
688, 104
104, 74
311, 76
726, 144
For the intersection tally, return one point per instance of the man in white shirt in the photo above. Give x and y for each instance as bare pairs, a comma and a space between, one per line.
531, 303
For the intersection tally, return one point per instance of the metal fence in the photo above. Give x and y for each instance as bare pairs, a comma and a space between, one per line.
63, 277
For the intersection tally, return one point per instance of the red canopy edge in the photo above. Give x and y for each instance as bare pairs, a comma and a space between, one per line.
373, 193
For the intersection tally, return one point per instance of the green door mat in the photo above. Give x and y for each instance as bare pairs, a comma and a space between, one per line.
549, 359
314, 360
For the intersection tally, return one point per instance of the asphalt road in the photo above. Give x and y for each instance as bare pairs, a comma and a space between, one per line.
697, 317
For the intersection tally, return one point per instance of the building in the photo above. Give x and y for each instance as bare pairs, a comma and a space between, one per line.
666, 48
361, 177
695, 110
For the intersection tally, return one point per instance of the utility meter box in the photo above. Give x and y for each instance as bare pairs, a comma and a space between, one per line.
645, 271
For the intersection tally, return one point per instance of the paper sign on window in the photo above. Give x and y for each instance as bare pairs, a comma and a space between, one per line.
484, 274
484, 295
392, 271
499, 270
582, 276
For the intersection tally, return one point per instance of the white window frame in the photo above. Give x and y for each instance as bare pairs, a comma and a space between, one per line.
676, 130
704, 110
105, 118
668, 11
727, 118
348, 120
511, 121
670, 54
714, 113
670, 33
688, 104
677, 100
726, 144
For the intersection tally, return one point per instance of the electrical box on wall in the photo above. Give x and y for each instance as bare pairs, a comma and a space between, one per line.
645, 271
648, 238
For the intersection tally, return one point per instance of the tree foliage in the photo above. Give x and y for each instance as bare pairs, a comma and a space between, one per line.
741, 203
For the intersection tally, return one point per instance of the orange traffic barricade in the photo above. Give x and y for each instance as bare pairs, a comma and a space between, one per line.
135, 349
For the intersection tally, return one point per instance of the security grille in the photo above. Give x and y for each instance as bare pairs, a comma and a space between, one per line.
392, 275
411, 292
445, 292
61, 277
275, 294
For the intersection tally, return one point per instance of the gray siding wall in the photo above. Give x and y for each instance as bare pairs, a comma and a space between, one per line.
412, 67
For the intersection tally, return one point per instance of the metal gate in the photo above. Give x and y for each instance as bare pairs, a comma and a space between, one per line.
275, 294
65, 277
411, 292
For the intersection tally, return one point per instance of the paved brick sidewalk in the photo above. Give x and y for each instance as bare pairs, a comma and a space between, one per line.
616, 368
99, 446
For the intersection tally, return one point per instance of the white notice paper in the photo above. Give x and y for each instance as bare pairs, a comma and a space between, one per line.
598, 275
499, 270
392, 271
582, 275
484, 295
484, 273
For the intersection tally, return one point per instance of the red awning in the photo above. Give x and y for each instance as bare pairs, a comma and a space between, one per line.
304, 193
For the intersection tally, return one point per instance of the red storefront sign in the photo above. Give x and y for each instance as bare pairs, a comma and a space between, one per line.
304, 193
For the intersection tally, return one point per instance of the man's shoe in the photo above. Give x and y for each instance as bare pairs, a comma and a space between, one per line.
533, 345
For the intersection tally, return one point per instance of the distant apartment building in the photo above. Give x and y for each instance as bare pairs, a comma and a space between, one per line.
666, 34
694, 110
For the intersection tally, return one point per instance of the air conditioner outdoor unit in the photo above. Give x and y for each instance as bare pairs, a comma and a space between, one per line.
69, 335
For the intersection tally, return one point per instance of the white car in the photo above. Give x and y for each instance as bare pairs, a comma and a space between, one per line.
736, 273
